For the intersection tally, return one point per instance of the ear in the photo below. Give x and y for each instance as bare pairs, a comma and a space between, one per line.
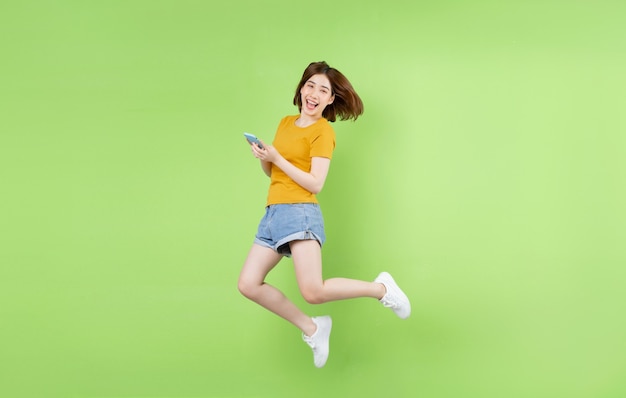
332, 99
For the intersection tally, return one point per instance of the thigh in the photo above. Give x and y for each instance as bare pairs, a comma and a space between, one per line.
260, 261
307, 261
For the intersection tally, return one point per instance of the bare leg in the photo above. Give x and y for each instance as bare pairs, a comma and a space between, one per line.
307, 258
261, 260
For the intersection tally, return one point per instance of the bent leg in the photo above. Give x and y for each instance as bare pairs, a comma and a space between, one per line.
260, 261
307, 259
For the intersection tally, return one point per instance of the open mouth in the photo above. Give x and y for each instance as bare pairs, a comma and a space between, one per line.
311, 105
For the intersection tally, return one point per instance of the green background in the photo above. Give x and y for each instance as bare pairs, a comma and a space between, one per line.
487, 175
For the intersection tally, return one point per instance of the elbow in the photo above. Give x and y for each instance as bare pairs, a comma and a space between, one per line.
315, 189
316, 185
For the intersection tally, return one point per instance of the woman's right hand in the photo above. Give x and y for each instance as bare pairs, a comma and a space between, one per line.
264, 155
267, 153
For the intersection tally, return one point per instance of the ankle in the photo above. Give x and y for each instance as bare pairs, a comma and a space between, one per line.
310, 328
382, 290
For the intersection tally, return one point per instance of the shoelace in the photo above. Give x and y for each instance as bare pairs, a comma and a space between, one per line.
309, 341
388, 303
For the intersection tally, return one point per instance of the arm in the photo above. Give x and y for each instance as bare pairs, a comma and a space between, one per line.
312, 181
267, 168
265, 165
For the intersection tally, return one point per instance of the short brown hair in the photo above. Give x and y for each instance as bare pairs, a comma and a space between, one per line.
347, 104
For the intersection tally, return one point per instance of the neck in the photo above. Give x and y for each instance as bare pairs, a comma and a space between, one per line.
306, 120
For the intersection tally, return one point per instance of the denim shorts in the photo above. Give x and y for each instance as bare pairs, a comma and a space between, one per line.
284, 223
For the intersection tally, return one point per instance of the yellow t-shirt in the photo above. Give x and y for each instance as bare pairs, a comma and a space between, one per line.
298, 145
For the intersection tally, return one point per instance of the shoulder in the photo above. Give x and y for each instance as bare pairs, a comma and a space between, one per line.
324, 127
289, 120
322, 133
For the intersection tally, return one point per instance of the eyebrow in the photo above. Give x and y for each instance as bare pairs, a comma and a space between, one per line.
314, 82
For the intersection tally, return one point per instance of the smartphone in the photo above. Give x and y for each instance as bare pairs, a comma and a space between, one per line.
253, 140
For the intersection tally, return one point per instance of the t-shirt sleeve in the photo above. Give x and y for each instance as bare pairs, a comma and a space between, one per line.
323, 143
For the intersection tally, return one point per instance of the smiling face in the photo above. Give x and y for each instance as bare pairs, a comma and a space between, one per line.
316, 94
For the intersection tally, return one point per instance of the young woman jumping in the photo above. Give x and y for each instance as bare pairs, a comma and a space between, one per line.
297, 163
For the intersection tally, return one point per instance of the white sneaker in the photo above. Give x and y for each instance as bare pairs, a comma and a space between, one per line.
395, 297
319, 341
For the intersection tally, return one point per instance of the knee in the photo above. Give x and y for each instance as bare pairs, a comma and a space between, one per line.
246, 288
313, 295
